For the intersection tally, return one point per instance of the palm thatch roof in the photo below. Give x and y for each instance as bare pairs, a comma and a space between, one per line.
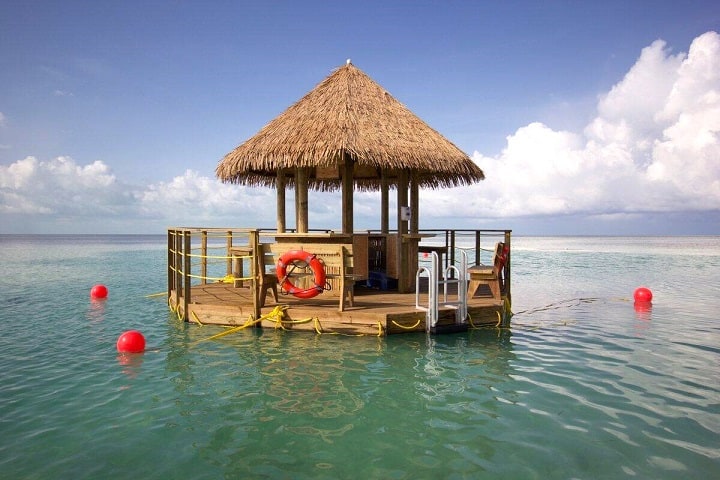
348, 115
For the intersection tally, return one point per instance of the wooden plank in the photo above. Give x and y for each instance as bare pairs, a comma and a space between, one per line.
221, 304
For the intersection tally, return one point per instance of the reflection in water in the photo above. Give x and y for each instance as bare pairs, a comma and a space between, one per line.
279, 391
96, 311
131, 364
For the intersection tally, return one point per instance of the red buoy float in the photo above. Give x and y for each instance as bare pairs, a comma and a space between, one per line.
643, 295
98, 292
311, 260
131, 341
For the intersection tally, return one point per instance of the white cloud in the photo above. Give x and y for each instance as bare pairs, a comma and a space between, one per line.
3, 120
61, 187
654, 146
193, 198
61, 191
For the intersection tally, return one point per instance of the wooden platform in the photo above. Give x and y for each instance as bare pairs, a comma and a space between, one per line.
374, 312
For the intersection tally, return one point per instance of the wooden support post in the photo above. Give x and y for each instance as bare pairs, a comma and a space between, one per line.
384, 202
402, 201
477, 247
280, 187
414, 203
347, 194
301, 200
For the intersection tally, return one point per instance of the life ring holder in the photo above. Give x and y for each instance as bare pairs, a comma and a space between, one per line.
288, 259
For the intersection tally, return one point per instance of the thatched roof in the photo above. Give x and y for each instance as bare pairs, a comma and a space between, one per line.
348, 114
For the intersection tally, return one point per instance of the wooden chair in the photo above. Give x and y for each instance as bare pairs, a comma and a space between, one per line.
339, 267
267, 279
490, 275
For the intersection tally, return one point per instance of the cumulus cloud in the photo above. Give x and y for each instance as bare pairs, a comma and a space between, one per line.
193, 198
654, 146
60, 190
61, 187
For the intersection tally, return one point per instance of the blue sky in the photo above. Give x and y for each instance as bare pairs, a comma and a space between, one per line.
587, 117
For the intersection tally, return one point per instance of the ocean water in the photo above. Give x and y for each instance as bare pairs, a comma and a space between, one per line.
582, 385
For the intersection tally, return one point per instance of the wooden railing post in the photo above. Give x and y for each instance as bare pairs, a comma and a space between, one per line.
186, 271
171, 262
203, 256
508, 283
178, 267
255, 265
229, 245
451, 259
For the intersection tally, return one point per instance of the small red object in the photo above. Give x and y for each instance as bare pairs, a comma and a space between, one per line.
131, 341
643, 295
99, 291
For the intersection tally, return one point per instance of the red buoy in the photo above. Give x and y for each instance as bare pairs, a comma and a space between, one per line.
643, 295
99, 291
131, 341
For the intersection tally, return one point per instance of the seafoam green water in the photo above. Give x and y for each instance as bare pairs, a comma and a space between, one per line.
581, 386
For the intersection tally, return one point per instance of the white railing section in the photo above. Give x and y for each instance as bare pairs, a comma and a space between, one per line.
433, 305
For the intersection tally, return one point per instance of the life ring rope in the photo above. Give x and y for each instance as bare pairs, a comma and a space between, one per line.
291, 259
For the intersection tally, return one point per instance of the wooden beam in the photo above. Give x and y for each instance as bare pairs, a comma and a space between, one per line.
280, 186
414, 203
384, 202
301, 200
347, 194
402, 227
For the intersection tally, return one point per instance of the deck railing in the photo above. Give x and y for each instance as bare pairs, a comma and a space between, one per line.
200, 255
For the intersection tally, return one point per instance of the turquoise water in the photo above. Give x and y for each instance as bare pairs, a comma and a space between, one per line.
581, 386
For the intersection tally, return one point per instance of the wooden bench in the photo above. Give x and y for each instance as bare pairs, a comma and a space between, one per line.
337, 260
490, 275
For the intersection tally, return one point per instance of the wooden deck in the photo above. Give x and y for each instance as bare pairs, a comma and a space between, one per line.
374, 312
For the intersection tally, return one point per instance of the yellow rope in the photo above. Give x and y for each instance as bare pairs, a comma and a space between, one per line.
404, 327
155, 294
248, 323
196, 318
499, 318
470, 321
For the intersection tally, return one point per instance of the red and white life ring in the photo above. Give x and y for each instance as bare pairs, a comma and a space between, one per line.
289, 258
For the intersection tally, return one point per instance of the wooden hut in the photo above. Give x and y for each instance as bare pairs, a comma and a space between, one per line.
349, 133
